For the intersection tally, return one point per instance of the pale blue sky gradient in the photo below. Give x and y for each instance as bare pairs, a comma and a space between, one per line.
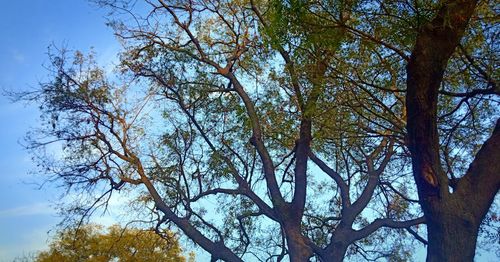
27, 28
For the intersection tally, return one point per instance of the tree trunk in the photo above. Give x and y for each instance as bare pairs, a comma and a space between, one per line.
341, 239
338, 253
298, 246
298, 249
452, 233
453, 218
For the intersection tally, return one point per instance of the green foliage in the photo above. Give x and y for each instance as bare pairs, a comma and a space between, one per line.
92, 243
298, 22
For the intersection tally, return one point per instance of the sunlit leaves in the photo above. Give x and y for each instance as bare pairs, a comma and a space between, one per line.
94, 243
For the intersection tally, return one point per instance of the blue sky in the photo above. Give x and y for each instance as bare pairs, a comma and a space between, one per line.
27, 28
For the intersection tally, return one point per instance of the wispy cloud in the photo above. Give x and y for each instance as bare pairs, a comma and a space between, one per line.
18, 56
109, 59
28, 210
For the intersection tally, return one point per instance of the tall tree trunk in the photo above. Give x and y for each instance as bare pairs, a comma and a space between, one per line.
453, 219
452, 233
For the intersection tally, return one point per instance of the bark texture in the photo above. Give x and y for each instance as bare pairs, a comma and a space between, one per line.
453, 219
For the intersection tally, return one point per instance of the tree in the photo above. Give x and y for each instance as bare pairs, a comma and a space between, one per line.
215, 105
291, 118
451, 104
90, 243
453, 217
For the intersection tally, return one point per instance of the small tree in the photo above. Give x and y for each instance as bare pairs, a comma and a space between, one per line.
91, 243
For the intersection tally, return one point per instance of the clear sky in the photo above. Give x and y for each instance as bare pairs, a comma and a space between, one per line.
27, 28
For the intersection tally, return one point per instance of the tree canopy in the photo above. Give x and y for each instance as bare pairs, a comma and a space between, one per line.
90, 243
271, 130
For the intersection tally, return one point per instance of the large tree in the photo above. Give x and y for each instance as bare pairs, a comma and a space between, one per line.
454, 204
293, 119
221, 107
449, 62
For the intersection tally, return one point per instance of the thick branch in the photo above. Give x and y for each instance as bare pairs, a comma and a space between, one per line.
482, 180
301, 156
217, 249
343, 187
258, 143
373, 180
417, 236
385, 222
216, 191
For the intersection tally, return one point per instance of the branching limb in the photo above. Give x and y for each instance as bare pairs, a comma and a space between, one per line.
344, 189
386, 222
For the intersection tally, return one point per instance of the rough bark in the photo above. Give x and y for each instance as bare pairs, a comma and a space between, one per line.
337, 249
338, 253
453, 219
298, 248
452, 234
